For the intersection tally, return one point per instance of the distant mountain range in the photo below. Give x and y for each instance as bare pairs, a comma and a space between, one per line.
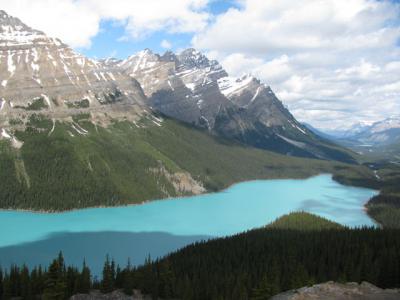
379, 134
382, 133
380, 140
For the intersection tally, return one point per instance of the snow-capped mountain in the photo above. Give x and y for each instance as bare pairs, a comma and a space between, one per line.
356, 129
380, 133
40, 74
34, 66
190, 87
341, 133
364, 136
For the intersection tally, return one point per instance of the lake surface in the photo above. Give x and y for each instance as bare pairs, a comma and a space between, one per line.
163, 226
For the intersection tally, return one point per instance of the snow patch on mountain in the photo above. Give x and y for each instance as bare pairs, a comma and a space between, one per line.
230, 85
387, 124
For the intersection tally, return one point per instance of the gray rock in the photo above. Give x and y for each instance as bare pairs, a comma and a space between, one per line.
34, 66
115, 295
338, 291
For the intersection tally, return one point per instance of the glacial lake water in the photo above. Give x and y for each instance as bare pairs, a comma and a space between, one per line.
159, 227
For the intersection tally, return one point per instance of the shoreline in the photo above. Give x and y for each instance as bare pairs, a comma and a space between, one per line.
40, 211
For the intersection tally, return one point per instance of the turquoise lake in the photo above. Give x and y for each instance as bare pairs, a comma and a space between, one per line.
162, 226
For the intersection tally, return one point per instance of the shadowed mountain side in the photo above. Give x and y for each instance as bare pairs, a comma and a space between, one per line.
94, 246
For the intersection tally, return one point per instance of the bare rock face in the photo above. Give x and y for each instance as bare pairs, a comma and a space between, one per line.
191, 88
337, 291
34, 67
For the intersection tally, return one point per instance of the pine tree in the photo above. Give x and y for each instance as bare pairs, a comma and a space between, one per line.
71, 279
37, 281
166, 279
25, 287
84, 283
119, 277
55, 286
266, 289
128, 283
1, 283
7, 287
14, 281
107, 284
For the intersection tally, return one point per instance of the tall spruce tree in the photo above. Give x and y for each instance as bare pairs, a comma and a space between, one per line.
108, 281
55, 286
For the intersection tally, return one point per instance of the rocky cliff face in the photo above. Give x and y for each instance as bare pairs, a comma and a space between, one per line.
190, 87
42, 73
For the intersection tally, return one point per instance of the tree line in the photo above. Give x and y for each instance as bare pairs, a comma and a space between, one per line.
252, 265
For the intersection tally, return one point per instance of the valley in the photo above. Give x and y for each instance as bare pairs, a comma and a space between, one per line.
79, 133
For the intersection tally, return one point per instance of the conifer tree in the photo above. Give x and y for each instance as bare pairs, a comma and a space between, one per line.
128, 282
107, 283
55, 285
1, 283
84, 284
25, 288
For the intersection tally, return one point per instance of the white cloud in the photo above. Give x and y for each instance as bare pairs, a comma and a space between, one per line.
69, 20
332, 62
166, 44
76, 22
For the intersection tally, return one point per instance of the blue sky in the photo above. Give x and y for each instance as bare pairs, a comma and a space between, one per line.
113, 41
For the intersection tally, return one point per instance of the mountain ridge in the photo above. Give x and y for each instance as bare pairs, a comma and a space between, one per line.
45, 76
191, 88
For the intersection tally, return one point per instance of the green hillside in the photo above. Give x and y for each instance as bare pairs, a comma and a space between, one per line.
385, 207
76, 165
303, 221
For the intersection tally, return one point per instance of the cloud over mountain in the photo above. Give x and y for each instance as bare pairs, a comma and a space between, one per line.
329, 61
78, 21
332, 62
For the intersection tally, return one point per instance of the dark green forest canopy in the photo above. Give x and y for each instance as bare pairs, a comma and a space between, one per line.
303, 221
251, 265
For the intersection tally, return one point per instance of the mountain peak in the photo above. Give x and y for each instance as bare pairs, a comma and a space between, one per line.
14, 33
4, 15
34, 66
139, 61
8, 22
392, 122
169, 56
192, 58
